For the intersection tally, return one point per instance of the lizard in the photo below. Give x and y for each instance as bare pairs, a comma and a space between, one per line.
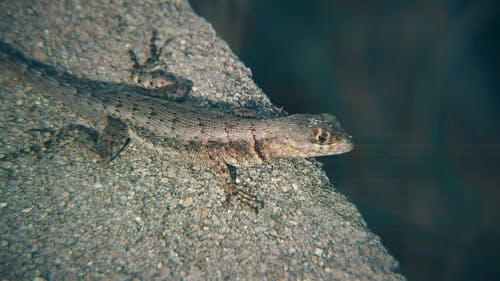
147, 114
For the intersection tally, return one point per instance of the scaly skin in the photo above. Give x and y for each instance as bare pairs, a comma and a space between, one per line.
168, 126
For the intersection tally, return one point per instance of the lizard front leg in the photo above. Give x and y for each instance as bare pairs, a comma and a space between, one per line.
153, 75
227, 174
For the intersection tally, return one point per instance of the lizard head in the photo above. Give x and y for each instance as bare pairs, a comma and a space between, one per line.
305, 136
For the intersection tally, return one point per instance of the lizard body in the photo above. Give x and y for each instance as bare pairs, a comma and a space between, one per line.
169, 126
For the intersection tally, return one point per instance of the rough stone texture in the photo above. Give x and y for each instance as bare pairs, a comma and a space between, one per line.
144, 216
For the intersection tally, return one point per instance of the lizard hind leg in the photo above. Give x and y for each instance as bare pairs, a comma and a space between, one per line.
112, 140
107, 144
50, 141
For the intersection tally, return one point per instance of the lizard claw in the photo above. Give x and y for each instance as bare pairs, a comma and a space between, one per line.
246, 199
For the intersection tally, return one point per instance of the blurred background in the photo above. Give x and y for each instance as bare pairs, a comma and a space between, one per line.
416, 84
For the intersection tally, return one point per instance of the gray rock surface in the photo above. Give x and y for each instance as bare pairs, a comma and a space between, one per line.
145, 216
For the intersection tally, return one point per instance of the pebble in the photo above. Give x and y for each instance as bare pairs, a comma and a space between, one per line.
139, 220
285, 188
205, 213
187, 202
318, 251
6, 164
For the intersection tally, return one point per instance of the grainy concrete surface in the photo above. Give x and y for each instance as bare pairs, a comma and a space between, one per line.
145, 216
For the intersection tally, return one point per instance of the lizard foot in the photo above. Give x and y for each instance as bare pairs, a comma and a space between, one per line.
51, 141
153, 75
245, 198
58, 139
107, 144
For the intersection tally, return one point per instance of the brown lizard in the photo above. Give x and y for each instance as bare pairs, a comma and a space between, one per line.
149, 117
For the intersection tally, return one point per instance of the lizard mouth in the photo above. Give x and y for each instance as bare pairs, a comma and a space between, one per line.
344, 145
348, 144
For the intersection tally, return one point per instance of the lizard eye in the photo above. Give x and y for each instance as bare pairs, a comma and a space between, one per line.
321, 136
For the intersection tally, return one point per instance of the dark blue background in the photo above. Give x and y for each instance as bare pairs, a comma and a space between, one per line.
416, 83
